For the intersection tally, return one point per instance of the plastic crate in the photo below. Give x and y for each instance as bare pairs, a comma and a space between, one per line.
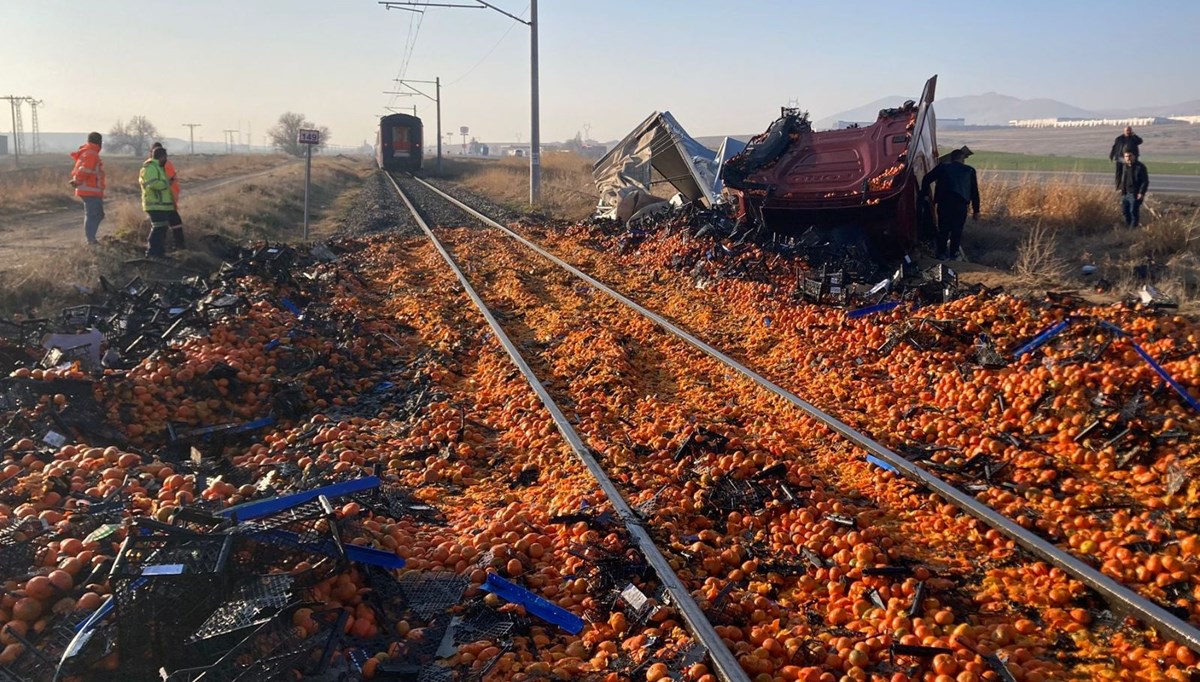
275, 650
825, 286
165, 586
302, 541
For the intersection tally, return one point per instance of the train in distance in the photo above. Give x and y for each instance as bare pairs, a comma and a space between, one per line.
399, 142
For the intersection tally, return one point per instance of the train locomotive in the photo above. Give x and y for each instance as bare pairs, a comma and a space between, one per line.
399, 143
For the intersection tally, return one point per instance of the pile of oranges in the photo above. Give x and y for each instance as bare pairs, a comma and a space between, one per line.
810, 563
1135, 520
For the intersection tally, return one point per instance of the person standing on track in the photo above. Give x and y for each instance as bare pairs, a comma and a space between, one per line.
957, 188
174, 222
1125, 142
157, 201
1132, 184
87, 177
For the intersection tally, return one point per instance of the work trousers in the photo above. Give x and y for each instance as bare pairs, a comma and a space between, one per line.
1131, 207
156, 243
93, 213
951, 215
176, 224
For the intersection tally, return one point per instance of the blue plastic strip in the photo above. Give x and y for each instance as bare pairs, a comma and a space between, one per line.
1042, 338
872, 309
291, 307
272, 344
1166, 376
373, 557
274, 505
1158, 369
551, 613
256, 424
106, 607
882, 464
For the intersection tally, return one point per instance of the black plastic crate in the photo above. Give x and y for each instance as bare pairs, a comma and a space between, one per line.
165, 586
275, 650
302, 541
825, 286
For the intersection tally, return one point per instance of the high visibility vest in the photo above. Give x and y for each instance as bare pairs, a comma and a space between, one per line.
173, 179
88, 174
156, 188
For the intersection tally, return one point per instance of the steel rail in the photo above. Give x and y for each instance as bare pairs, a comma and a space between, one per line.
726, 665
1121, 598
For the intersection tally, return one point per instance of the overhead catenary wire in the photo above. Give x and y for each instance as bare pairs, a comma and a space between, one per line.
414, 30
487, 54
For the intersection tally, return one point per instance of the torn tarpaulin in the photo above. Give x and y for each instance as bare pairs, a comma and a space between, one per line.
657, 151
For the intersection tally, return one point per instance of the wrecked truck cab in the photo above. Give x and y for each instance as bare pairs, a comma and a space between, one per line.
861, 181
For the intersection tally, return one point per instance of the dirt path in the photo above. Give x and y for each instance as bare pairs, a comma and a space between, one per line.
63, 230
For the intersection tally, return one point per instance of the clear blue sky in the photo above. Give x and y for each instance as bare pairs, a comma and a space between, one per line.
720, 67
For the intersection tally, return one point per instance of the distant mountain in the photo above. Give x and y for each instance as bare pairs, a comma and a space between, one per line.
996, 109
1189, 108
980, 110
864, 114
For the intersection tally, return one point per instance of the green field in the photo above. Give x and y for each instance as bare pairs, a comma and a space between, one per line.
1029, 162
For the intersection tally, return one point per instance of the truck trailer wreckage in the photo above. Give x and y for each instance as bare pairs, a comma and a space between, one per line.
859, 184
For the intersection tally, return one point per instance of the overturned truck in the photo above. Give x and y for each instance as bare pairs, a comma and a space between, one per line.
859, 183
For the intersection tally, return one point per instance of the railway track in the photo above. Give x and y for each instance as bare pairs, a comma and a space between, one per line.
1119, 597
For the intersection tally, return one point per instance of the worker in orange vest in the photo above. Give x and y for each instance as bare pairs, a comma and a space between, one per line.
88, 180
174, 222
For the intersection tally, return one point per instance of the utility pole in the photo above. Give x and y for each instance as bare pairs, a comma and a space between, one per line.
37, 132
437, 99
535, 150
230, 139
535, 155
192, 136
14, 103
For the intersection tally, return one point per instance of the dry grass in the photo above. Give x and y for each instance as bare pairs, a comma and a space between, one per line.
45, 188
1043, 232
1062, 204
1038, 261
568, 191
269, 207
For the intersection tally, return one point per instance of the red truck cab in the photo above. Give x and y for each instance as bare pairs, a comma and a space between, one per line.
791, 178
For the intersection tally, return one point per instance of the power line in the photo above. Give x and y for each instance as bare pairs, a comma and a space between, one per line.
489, 52
192, 135
37, 131
18, 127
410, 45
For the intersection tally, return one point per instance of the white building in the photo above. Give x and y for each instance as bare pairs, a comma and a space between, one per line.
1186, 119
1089, 122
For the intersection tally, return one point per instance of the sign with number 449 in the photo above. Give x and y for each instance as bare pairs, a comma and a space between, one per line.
304, 136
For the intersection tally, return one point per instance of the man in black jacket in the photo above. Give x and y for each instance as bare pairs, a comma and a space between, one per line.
957, 187
1132, 184
1127, 142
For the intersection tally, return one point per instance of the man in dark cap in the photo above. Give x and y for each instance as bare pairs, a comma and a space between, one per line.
1125, 142
957, 188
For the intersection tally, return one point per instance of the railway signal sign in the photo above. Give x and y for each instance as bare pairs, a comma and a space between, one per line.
308, 137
